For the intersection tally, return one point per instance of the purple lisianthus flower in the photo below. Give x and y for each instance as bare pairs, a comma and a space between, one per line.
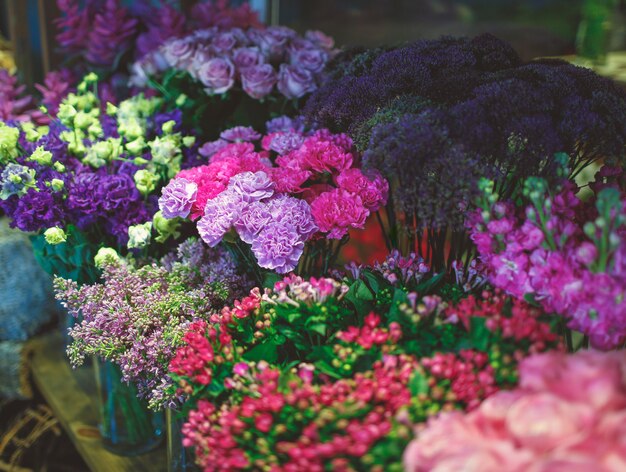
297, 212
219, 215
240, 133
85, 194
278, 247
320, 39
252, 186
294, 81
119, 190
38, 210
177, 197
224, 42
252, 219
218, 74
258, 81
248, 57
283, 143
309, 59
208, 149
178, 52
284, 123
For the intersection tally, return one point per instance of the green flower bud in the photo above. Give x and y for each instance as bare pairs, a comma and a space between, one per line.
83, 120
140, 161
139, 235
189, 141
41, 156
180, 101
146, 181
106, 256
136, 147
111, 109
66, 113
57, 185
55, 235
168, 127
59, 167
166, 228
8, 143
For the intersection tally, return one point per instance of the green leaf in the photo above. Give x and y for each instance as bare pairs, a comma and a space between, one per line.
327, 369
319, 328
418, 384
263, 352
399, 297
270, 279
480, 335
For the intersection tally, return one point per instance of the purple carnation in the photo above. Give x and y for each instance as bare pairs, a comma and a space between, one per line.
85, 193
252, 186
278, 247
240, 133
283, 143
219, 215
252, 219
283, 123
297, 212
218, 75
38, 210
177, 197
294, 81
258, 81
117, 190
208, 149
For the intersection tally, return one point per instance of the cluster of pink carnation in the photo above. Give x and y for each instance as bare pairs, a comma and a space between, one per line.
294, 425
568, 254
276, 195
568, 414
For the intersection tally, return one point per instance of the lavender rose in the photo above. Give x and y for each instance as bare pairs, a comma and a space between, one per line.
320, 39
273, 41
294, 81
258, 81
178, 52
224, 42
177, 197
218, 75
252, 186
247, 57
309, 59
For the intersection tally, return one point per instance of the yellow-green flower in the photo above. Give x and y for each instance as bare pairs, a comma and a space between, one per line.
55, 235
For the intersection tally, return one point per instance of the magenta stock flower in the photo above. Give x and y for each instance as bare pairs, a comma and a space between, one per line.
177, 198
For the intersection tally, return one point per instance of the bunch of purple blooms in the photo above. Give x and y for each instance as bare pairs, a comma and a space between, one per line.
258, 60
297, 187
569, 255
137, 316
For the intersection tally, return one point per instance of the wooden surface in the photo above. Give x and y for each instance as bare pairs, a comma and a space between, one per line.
614, 68
72, 397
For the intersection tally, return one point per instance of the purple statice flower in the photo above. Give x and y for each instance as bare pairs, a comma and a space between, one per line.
208, 149
252, 186
278, 247
219, 216
239, 134
177, 197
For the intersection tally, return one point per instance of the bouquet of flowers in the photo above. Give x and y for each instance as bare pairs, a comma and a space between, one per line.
245, 74
564, 253
136, 316
91, 176
277, 192
545, 424
297, 377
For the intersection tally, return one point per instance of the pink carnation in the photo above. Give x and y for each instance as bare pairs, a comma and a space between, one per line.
322, 156
373, 188
336, 211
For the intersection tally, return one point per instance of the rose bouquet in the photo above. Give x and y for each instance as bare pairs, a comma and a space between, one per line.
234, 75
276, 193
408, 110
564, 253
567, 414
90, 176
301, 376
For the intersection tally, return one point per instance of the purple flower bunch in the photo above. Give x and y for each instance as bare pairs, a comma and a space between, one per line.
567, 254
137, 316
296, 187
14, 104
104, 31
258, 60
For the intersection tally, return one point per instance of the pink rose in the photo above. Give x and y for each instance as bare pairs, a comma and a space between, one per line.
258, 81
217, 75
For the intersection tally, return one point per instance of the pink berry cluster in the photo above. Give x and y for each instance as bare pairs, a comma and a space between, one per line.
568, 413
